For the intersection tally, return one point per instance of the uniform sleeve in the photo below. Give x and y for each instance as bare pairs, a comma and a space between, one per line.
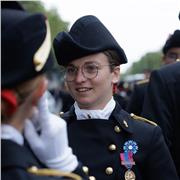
157, 105
159, 164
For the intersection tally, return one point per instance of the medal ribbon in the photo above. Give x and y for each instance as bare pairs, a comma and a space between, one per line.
127, 159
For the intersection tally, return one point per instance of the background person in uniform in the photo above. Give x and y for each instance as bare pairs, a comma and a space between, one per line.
136, 99
171, 49
26, 57
162, 105
171, 52
112, 143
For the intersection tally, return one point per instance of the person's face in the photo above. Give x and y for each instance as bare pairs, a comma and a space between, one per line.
172, 55
91, 85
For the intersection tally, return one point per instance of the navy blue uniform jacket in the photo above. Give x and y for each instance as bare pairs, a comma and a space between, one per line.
16, 160
135, 104
98, 144
162, 105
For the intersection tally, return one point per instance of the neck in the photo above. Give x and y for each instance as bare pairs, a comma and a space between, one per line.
97, 107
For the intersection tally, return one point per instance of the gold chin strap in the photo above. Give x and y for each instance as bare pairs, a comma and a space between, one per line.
53, 172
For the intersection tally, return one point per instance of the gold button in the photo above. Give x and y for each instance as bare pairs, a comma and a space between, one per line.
112, 147
117, 129
85, 170
92, 178
109, 170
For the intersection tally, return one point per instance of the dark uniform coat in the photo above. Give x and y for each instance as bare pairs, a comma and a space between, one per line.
98, 144
135, 104
162, 105
17, 160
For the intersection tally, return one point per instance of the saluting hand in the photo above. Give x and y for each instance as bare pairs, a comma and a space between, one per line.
51, 144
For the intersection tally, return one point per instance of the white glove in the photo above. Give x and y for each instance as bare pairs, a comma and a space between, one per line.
51, 146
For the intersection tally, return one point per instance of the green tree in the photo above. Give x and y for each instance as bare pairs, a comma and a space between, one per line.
151, 61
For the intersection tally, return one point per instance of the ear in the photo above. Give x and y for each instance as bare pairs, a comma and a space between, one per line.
116, 75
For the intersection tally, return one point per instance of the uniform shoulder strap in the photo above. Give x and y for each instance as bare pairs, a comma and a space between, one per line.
144, 81
142, 119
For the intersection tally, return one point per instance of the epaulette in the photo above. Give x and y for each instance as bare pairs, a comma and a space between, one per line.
142, 81
53, 172
142, 119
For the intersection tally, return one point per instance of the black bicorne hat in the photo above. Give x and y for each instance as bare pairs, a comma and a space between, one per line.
172, 42
26, 45
87, 36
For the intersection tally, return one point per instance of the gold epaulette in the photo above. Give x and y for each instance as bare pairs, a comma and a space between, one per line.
53, 172
142, 119
142, 81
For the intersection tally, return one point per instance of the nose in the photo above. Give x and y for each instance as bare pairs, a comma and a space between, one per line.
80, 76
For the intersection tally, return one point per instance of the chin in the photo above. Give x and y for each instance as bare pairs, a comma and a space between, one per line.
85, 104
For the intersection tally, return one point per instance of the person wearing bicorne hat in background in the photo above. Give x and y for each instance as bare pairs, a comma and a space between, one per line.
162, 98
170, 54
43, 152
112, 143
171, 48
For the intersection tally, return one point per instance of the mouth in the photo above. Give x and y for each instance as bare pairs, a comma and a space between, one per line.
83, 89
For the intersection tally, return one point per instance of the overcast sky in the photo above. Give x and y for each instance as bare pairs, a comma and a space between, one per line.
139, 26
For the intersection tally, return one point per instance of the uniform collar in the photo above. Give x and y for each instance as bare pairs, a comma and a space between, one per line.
123, 118
84, 114
11, 133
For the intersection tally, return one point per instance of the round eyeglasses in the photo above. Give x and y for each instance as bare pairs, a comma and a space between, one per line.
173, 56
89, 71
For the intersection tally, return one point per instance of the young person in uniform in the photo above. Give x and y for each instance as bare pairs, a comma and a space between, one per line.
112, 143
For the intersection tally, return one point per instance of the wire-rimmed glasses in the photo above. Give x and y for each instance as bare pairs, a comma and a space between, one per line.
89, 71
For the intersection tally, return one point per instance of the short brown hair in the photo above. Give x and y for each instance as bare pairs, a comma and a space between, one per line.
113, 58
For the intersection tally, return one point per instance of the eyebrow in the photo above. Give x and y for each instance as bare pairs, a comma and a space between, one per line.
87, 62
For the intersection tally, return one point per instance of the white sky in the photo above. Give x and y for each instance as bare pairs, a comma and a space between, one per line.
140, 26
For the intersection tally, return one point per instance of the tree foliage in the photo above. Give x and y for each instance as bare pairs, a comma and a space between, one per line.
151, 61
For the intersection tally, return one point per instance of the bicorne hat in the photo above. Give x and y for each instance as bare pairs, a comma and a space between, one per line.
26, 45
87, 36
172, 42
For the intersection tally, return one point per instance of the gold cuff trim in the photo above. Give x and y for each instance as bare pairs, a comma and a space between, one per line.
53, 172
